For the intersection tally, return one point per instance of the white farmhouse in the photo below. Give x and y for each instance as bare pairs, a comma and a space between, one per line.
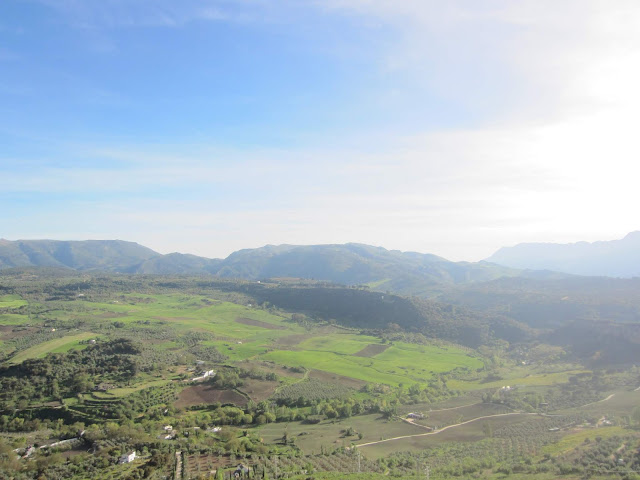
128, 457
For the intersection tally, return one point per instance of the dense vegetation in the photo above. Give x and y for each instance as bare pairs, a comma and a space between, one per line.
62, 375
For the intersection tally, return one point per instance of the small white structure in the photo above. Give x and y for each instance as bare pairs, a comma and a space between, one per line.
168, 428
128, 457
418, 416
207, 374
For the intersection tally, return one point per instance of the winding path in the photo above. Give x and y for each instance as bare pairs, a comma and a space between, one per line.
603, 400
444, 428
470, 421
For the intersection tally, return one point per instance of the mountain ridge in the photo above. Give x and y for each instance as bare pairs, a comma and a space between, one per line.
351, 263
613, 258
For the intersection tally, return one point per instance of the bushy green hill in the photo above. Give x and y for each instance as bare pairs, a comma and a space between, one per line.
355, 264
373, 310
109, 255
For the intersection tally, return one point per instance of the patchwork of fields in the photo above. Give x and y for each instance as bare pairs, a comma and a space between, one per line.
242, 332
277, 354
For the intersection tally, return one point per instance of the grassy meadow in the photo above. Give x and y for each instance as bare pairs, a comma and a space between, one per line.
12, 301
59, 345
400, 363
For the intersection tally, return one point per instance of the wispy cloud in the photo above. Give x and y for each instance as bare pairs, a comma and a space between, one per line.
440, 192
154, 13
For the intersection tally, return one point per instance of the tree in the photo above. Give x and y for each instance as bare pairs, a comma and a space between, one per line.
81, 382
487, 429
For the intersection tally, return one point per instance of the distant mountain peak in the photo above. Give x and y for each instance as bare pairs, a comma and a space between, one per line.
613, 258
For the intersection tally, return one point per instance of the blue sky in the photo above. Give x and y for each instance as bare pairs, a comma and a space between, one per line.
206, 126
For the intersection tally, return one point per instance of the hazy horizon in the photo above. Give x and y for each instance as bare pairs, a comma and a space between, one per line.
223, 256
207, 127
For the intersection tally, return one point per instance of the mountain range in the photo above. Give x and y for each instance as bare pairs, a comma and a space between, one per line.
409, 273
351, 264
615, 258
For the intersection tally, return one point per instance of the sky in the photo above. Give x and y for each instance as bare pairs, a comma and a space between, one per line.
207, 126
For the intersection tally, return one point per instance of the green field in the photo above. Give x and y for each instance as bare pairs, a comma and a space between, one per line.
196, 313
401, 363
12, 301
13, 319
57, 345
573, 440
124, 391
245, 350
